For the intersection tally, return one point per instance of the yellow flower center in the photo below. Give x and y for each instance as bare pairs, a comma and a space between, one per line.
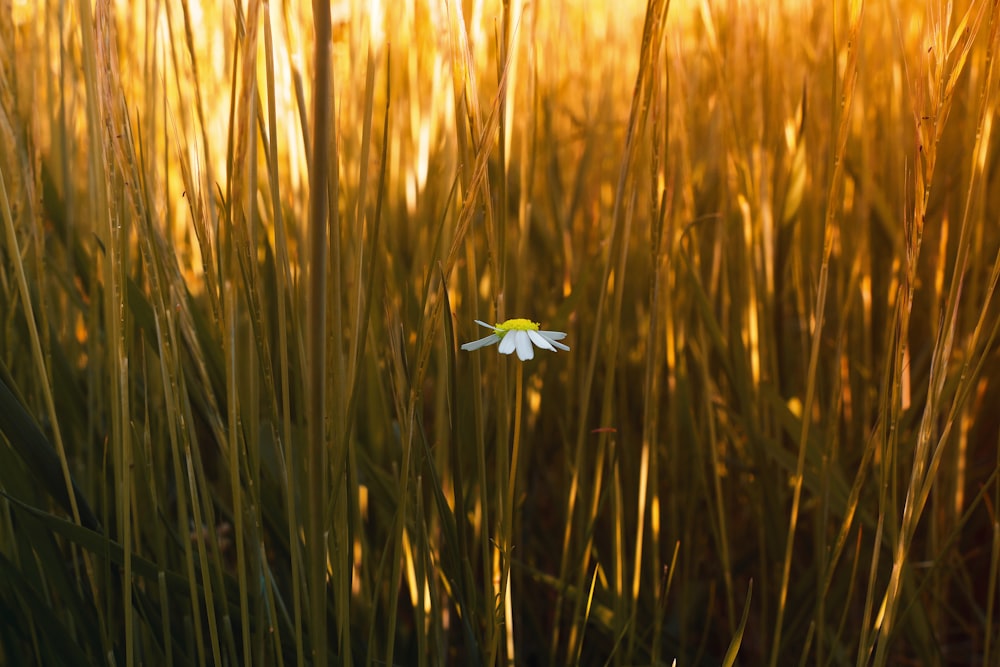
517, 324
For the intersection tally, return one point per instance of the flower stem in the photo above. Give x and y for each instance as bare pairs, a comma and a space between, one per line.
518, 388
508, 514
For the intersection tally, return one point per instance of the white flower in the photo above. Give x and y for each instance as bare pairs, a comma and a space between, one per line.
519, 334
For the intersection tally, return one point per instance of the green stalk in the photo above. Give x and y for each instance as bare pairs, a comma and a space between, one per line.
318, 214
507, 533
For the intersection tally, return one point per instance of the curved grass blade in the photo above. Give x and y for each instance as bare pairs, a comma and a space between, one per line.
734, 645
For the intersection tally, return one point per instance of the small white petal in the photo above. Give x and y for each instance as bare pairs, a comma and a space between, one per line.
547, 335
482, 342
483, 324
552, 337
508, 342
525, 351
540, 341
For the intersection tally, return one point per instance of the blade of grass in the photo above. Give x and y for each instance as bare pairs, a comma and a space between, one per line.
734, 646
319, 194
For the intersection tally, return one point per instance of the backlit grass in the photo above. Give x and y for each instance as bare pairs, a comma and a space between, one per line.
243, 243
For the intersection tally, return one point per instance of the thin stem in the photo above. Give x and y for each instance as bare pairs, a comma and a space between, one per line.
519, 386
316, 321
508, 513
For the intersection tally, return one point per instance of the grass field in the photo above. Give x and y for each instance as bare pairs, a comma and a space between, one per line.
243, 243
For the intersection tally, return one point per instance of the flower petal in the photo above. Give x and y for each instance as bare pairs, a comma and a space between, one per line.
508, 342
552, 337
483, 324
525, 351
482, 342
540, 341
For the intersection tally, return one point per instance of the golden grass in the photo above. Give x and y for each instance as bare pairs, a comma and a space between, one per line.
240, 257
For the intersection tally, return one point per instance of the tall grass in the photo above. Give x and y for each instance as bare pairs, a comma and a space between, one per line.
242, 244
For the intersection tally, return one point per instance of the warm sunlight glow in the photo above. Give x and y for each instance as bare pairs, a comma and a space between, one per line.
499, 332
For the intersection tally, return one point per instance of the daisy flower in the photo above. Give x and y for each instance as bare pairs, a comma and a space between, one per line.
521, 335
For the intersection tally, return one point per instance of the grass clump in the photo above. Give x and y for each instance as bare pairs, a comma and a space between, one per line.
244, 244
